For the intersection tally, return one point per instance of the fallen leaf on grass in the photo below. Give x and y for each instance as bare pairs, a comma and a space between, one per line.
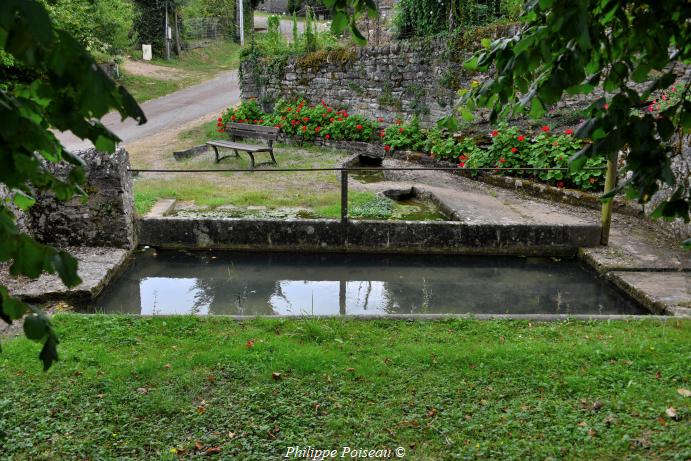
684, 392
197, 445
211, 378
142, 390
582, 424
213, 450
250, 343
592, 432
350, 370
597, 405
432, 413
671, 413
275, 376
167, 365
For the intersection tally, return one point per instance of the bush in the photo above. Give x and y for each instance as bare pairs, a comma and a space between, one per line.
408, 136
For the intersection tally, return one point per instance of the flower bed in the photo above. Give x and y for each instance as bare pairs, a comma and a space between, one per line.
502, 151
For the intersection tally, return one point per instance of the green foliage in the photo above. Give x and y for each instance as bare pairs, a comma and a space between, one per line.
406, 136
422, 18
103, 27
248, 111
310, 36
573, 47
225, 10
68, 93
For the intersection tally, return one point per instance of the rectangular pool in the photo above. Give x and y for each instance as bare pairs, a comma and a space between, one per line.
234, 283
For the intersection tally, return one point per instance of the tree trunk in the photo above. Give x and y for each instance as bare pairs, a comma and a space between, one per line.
177, 33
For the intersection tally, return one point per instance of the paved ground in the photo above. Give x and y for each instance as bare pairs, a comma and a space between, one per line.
169, 111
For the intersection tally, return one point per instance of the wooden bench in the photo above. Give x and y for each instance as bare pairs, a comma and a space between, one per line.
242, 130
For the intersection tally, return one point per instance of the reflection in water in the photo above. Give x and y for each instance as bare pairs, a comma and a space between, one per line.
208, 283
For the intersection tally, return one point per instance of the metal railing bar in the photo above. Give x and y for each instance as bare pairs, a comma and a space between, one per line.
374, 168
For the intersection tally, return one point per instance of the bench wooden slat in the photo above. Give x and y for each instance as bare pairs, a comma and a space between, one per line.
239, 146
252, 131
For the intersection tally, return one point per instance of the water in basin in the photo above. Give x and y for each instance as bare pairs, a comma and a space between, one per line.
230, 283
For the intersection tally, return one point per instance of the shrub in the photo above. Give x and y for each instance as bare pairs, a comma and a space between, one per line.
407, 136
247, 111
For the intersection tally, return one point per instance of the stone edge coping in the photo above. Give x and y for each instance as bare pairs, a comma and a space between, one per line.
435, 317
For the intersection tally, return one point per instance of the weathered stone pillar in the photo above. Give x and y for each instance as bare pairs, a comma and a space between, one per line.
107, 219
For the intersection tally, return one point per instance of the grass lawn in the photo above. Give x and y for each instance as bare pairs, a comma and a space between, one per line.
193, 67
162, 388
318, 192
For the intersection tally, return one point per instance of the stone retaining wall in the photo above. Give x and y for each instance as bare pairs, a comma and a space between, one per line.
398, 80
383, 236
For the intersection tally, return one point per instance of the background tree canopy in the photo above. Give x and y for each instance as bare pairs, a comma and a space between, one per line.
66, 91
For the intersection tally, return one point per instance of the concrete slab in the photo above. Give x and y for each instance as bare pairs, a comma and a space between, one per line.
634, 248
163, 207
97, 267
666, 293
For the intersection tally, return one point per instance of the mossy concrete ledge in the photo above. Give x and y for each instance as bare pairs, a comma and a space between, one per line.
379, 236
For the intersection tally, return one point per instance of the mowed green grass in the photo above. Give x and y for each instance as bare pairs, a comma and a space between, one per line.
184, 387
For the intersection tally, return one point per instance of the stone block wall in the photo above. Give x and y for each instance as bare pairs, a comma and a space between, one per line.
398, 80
106, 219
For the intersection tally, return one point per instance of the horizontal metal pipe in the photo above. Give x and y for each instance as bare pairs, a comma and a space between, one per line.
278, 170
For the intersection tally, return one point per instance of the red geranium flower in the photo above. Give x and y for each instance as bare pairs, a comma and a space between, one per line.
220, 119
289, 109
606, 106
220, 131
380, 119
502, 160
303, 128
387, 148
256, 121
232, 117
359, 127
329, 110
382, 133
340, 119
240, 121
317, 129
463, 157
332, 119
401, 130
328, 136
560, 184
399, 121
494, 133
569, 131
545, 128
521, 138
305, 119
462, 164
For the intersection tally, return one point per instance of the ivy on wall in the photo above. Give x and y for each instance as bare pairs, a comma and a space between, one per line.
419, 18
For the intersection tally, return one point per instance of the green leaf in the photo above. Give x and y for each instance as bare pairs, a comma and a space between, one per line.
49, 353
36, 327
22, 200
66, 267
339, 22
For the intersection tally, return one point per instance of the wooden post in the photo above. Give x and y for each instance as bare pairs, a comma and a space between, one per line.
610, 183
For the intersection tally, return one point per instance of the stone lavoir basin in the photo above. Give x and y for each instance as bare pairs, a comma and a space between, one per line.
334, 284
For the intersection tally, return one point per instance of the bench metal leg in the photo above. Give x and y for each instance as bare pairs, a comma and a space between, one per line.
216, 152
273, 159
237, 154
251, 159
